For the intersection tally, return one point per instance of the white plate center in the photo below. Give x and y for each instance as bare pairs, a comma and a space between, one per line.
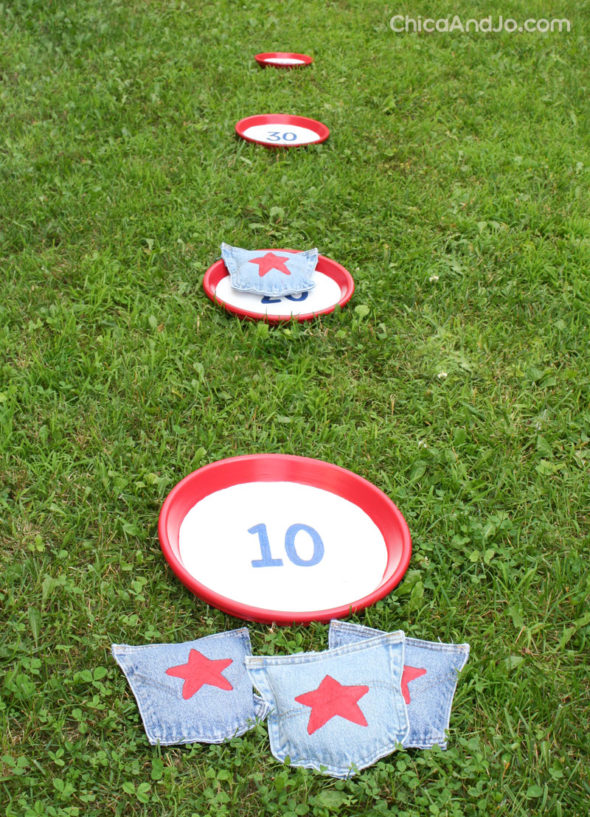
277, 134
325, 294
283, 546
284, 60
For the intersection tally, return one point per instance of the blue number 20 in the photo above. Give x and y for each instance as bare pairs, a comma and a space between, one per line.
290, 549
266, 299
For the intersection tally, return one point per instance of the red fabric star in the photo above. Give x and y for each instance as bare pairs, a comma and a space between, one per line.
200, 670
331, 699
270, 261
408, 675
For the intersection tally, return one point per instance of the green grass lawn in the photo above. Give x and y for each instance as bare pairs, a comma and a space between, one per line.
454, 187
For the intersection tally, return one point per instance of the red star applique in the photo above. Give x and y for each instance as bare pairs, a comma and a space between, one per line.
410, 674
200, 670
331, 699
270, 261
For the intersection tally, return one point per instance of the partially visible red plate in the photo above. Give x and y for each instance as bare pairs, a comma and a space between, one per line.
283, 59
334, 286
282, 130
277, 538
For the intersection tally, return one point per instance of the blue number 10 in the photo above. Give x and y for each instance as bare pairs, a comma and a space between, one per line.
267, 560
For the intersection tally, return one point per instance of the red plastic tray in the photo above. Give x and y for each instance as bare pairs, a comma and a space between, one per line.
325, 265
274, 59
278, 127
264, 468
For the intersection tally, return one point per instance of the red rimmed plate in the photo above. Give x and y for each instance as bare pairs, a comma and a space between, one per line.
285, 539
334, 286
282, 130
283, 59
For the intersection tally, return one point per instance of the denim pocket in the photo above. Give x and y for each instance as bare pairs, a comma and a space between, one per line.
270, 272
195, 691
429, 680
336, 711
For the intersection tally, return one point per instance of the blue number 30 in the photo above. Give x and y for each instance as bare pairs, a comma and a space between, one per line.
290, 549
277, 136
